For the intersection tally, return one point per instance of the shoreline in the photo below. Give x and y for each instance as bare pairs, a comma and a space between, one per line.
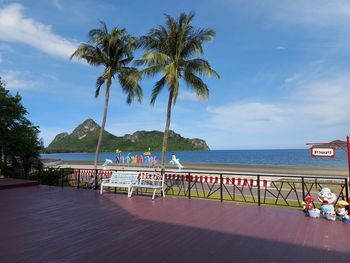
236, 168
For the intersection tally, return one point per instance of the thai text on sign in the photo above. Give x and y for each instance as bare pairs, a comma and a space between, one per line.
323, 152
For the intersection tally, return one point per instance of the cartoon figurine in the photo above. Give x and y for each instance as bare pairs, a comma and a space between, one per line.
147, 159
309, 208
327, 198
175, 161
128, 159
153, 160
147, 156
342, 213
139, 159
118, 155
133, 159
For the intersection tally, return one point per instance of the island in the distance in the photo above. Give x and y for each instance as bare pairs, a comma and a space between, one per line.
84, 139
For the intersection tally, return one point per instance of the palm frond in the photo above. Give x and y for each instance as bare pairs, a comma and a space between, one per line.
197, 85
89, 53
157, 89
129, 84
100, 81
199, 66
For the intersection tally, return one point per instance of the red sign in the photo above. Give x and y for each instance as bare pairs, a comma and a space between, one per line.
328, 152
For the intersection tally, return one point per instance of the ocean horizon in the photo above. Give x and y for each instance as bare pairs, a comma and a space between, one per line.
282, 157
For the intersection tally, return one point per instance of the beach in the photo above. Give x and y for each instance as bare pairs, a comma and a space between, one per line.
222, 168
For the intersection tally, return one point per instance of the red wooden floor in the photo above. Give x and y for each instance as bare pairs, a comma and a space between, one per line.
50, 224
7, 183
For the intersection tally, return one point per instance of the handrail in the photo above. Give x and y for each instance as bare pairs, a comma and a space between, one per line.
259, 188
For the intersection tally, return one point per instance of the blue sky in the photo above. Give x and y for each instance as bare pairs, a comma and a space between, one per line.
284, 66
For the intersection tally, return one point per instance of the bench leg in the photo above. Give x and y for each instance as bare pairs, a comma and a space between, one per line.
130, 191
101, 191
154, 192
163, 192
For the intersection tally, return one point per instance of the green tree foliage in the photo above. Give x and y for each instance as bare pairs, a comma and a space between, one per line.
19, 142
170, 51
114, 51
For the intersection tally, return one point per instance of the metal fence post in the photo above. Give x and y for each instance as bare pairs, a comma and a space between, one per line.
78, 178
50, 176
62, 176
303, 187
39, 175
259, 201
96, 179
189, 185
346, 189
221, 195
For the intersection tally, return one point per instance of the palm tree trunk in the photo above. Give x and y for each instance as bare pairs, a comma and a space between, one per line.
99, 143
166, 131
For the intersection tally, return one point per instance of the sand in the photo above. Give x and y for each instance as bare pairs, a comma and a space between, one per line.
234, 168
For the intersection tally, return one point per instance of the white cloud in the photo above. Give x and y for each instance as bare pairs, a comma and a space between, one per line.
15, 81
247, 116
316, 106
57, 4
15, 27
188, 95
6, 48
321, 13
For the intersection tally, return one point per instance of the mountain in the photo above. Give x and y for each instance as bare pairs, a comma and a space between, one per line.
84, 139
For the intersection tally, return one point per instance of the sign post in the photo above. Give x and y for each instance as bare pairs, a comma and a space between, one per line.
348, 150
328, 150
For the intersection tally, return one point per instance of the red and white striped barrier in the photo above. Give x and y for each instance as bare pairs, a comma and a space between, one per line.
100, 173
238, 181
216, 180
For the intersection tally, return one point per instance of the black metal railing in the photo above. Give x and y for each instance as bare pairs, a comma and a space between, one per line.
260, 189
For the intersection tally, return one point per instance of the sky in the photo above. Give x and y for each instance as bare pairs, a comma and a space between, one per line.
284, 67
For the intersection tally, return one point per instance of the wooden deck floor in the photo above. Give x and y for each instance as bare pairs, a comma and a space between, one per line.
51, 224
7, 183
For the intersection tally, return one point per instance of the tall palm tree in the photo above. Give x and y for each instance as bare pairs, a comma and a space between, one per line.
114, 51
170, 52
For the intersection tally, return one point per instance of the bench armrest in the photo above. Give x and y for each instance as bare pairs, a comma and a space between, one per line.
106, 180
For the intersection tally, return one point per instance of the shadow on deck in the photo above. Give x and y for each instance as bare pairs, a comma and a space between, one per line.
52, 224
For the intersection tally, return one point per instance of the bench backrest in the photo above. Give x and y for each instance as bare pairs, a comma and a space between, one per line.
124, 177
151, 179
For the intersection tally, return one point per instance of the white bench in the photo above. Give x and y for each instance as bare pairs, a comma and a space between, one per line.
150, 181
125, 179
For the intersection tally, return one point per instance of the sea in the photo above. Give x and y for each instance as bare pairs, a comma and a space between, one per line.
286, 157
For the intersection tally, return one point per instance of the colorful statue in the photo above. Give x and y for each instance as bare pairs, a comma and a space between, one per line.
118, 155
341, 211
128, 159
147, 156
175, 161
309, 208
327, 198
140, 159
134, 159
106, 163
153, 160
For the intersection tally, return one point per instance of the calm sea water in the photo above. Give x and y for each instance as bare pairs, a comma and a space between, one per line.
262, 157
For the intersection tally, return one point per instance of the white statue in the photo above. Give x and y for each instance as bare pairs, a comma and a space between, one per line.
106, 163
175, 161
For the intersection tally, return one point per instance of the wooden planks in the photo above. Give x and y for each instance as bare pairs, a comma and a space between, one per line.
8, 183
48, 224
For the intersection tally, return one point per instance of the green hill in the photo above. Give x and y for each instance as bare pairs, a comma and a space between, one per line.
84, 139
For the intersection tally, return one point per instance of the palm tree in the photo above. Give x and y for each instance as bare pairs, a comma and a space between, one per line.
169, 52
114, 51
